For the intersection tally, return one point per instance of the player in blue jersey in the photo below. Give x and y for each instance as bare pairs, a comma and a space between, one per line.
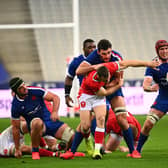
88, 46
160, 77
28, 102
104, 53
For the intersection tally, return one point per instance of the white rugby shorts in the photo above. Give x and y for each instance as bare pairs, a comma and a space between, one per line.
88, 102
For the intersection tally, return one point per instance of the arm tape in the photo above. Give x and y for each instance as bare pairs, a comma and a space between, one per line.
67, 89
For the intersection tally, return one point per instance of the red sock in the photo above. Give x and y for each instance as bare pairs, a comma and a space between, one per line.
99, 136
42, 142
44, 152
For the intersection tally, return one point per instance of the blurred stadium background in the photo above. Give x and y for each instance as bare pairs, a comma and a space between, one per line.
40, 54
39, 37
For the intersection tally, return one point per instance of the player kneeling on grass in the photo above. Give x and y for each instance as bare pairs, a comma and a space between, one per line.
28, 102
114, 132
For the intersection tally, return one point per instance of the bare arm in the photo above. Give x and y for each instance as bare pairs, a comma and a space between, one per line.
68, 80
138, 63
68, 86
16, 137
84, 68
147, 85
56, 103
105, 92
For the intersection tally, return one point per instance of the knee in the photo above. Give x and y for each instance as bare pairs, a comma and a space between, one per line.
37, 124
85, 126
122, 121
100, 121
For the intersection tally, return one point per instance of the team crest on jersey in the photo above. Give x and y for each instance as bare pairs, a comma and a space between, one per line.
5, 151
33, 97
83, 104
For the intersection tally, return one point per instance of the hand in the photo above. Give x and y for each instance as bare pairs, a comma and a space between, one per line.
123, 149
69, 101
18, 153
154, 63
54, 116
112, 83
155, 87
121, 82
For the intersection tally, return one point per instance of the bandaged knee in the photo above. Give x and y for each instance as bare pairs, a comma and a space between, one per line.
120, 110
153, 117
67, 134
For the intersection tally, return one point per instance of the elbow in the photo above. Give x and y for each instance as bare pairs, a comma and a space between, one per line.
57, 99
77, 71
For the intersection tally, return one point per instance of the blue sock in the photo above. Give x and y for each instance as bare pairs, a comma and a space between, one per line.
35, 149
93, 126
128, 137
141, 141
76, 141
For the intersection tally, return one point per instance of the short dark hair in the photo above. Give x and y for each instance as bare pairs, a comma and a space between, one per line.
87, 41
103, 72
104, 44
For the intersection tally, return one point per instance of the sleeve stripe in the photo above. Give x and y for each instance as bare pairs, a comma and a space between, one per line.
15, 118
118, 65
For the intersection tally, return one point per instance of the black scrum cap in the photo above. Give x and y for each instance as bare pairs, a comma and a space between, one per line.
14, 83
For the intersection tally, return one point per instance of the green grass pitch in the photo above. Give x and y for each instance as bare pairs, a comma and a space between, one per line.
154, 155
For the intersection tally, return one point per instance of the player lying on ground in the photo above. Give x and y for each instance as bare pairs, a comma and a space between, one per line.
7, 145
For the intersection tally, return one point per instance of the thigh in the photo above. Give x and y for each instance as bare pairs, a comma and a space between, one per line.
117, 101
84, 117
100, 111
52, 127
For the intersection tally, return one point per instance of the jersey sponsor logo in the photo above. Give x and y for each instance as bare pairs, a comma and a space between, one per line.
164, 81
83, 104
157, 69
35, 110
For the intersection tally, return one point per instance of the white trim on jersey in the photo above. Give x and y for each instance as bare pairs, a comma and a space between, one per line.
117, 56
148, 76
69, 75
86, 62
15, 118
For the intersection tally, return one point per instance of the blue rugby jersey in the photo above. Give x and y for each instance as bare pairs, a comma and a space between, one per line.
94, 58
74, 65
160, 76
32, 106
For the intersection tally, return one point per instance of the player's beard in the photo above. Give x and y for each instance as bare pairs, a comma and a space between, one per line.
22, 95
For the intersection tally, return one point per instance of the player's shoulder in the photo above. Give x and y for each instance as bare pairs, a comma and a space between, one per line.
77, 60
32, 89
117, 55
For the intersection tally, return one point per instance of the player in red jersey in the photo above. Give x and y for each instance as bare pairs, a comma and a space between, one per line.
115, 132
92, 95
104, 53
